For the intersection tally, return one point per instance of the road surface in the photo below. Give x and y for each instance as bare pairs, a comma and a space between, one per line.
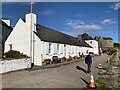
65, 76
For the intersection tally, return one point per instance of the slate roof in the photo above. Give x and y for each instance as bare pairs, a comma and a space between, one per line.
96, 37
50, 35
107, 38
5, 32
85, 36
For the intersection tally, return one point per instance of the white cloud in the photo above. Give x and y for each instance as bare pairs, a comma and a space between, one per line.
87, 27
107, 21
80, 25
116, 6
47, 12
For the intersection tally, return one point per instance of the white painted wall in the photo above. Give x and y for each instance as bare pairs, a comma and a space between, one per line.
64, 50
85, 50
94, 44
42, 51
54, 50
38, 51
20, 39
12, 65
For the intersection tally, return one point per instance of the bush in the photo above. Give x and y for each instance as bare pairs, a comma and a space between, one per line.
15, 54
110, 51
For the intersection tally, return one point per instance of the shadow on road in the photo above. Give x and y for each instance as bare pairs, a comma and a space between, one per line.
80, 68
88, 87
87, 83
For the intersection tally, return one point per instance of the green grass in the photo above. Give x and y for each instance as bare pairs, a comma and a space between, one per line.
102, 84
105, 76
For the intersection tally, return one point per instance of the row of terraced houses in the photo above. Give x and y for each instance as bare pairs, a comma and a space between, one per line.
46, 42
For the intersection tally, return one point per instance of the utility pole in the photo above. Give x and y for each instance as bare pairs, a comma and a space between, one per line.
31, 49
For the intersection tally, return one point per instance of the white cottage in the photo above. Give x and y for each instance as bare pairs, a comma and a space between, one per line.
89, 40
46, 42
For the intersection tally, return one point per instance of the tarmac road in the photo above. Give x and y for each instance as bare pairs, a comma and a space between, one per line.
65, 76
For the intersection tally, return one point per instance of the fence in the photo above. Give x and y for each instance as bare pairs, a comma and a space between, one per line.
15, 64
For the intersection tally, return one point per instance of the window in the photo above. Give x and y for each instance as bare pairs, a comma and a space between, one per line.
10, 46
77, 49
57, 48
72, 50
61, 49
64, 45
91, 42
65, 49
87, 51
50, 46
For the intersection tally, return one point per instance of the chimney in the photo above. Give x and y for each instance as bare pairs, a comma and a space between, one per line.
100, 36
31, 17
7, 21
79, 38
96, 37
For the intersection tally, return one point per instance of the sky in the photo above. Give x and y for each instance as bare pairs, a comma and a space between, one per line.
73, 18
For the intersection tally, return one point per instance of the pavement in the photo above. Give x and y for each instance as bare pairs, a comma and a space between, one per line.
61, 76
53, 65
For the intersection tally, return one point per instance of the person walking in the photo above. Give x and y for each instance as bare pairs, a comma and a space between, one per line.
88, 61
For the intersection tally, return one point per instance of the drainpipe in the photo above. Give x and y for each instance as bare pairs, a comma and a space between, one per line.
32, 64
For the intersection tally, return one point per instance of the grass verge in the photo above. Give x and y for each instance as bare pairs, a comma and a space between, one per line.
107, 76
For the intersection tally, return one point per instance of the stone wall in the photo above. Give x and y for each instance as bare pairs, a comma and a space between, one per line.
108, 43
105, 43
15, 64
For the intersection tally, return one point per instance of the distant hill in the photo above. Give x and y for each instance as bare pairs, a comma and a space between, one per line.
116, 44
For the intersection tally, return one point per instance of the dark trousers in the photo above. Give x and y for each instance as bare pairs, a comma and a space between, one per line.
89, 68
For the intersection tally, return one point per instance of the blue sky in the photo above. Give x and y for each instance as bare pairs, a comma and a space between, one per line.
96, 18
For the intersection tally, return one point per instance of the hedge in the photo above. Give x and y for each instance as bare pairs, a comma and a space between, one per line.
15, 54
